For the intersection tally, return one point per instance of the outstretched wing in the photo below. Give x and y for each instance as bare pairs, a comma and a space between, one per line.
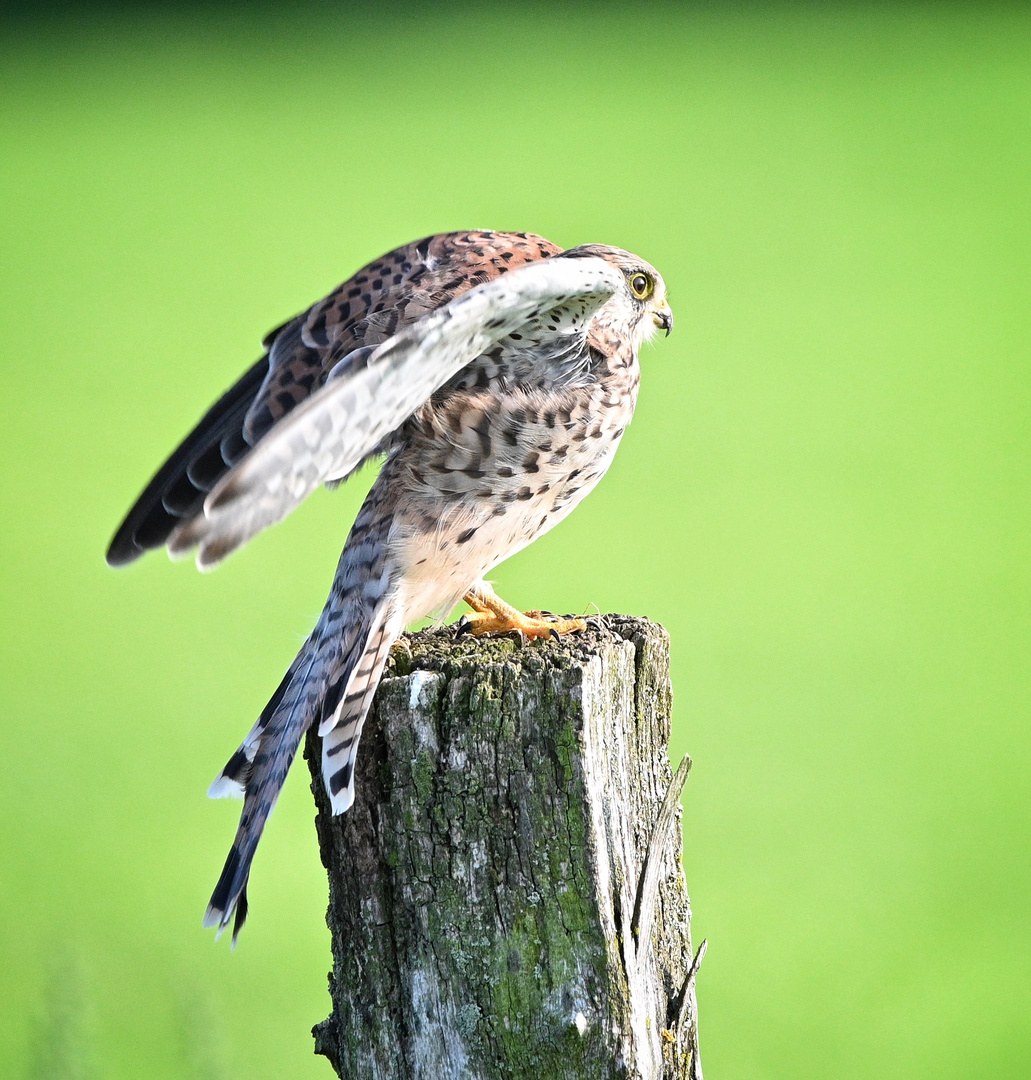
333, 430
334, 335
177, 491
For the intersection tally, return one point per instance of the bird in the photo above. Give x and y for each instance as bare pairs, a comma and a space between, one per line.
494, 373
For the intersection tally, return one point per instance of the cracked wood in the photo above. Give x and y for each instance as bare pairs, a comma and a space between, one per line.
483, 886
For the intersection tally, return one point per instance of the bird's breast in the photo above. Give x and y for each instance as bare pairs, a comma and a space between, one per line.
487, 473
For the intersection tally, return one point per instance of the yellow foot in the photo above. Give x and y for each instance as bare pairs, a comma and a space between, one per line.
531, 624
491, 615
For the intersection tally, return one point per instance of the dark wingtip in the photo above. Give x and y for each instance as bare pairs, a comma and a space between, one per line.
147, 526
177, 489
122, 550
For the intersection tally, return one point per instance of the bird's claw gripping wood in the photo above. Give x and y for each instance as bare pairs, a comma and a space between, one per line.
530, 624
492, 615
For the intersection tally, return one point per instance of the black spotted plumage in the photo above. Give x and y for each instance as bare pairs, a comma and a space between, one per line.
301, 354
496, 374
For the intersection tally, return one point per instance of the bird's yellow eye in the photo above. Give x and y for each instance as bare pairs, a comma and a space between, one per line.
641, 285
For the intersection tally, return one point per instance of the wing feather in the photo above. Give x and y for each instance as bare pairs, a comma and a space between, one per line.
329, 434
333, 335
178, 489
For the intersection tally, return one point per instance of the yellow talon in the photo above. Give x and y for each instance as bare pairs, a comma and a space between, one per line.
491, 615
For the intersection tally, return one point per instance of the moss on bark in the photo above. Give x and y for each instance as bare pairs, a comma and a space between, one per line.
483, 885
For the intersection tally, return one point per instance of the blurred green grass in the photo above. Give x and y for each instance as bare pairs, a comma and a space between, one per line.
824, 495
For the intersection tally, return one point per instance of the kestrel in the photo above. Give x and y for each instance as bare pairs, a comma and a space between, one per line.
495, 373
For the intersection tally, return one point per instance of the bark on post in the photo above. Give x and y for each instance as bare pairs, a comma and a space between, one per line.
506, 895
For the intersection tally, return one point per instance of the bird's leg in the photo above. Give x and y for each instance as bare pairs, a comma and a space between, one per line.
491, 615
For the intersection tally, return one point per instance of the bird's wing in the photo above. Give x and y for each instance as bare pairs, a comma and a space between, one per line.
333, 430
330, 337
177, 491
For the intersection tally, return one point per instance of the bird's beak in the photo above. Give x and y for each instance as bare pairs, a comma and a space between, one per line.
664, 317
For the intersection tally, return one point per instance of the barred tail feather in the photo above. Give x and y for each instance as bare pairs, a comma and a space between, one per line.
229, 897
343, 691
231, 782
335, 673
344, 715
271, 746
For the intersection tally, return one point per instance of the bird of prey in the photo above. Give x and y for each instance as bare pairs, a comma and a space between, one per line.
495, 373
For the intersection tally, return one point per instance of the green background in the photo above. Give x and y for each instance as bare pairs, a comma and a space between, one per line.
824, 494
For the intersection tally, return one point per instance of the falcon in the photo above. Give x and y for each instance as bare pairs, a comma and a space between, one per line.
494, 374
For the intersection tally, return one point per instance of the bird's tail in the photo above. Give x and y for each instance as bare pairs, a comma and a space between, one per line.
347, 703
333, 680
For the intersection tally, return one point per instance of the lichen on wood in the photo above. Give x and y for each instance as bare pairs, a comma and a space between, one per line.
485, 888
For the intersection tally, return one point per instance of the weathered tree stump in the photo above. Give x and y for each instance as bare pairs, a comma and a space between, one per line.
506, 895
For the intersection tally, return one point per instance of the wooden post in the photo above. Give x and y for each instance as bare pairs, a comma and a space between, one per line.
506, 895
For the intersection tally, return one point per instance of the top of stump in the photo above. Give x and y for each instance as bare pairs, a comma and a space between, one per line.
442, 649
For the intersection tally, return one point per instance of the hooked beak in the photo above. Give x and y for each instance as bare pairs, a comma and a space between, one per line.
664, 317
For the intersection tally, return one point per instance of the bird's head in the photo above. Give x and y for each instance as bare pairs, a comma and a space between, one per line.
641, 303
